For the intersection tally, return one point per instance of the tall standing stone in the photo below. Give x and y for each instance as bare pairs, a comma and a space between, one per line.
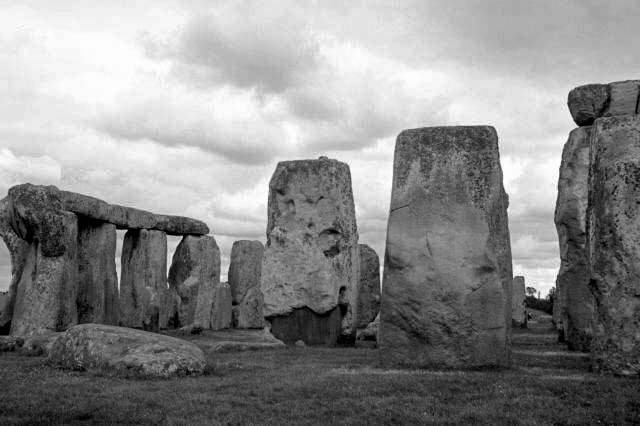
143, 282
98, 282
221, 310
194, 272
310, 264
517, 302
447, 275
613, 236
244, 279
368, 287
574, 306
18, 249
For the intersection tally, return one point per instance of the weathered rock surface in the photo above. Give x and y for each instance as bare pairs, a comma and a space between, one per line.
613, 226
45, 296
369, 287
517, 301
233, 340
311, 257
39, 344
448, 258
123, 351
194, 272
10, 343
98, 282
249, 312
221, 310
128, 217
244, 268
244, 280
588, 102
18, 249
143, 284
574, 307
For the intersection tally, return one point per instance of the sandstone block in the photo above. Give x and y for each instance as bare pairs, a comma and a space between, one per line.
48, 285
221, 310
447, 277
574, 307
143, 282
245, 268
194, 272
613, 226
249, 312
127, 352
98, 282
311, 257
591, 101
369, 287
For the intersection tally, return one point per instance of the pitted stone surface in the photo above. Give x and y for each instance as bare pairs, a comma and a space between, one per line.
244, 280
221, 310
591, 101
613, 226
127, 352
143, 284
574, 307
97, 279
194, 272
18, 249
369, 287
311, 256
447, 277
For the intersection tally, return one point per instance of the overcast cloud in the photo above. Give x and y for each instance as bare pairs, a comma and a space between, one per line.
187, 109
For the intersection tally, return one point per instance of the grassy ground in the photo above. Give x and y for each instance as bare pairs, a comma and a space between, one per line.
328, 386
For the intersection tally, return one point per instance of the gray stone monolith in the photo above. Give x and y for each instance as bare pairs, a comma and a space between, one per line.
613, 243
574, 305
517, 302
368, 287
310, 264
194, 272
447, 276
244, 279
98, 299
143, 282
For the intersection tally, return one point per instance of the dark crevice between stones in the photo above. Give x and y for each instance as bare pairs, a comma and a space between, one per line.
310, 327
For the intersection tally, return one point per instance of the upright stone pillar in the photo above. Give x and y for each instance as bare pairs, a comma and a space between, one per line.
613, 236
368, 287
46, 291
244, 279
310, 264
143, 282
98, 282
447, 275
194, 272
517, 302
18, 249
574, 305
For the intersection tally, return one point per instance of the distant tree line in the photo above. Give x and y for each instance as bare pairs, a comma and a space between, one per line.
544, 305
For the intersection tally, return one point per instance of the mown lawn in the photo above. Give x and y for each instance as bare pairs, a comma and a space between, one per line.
325, 386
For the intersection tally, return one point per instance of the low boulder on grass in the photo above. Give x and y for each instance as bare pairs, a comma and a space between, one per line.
126, 352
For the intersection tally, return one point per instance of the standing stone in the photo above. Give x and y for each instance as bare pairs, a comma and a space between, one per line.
310, 265
45, 296
221, 310
143, 284
517, 302
447, 275
194, 272
98, 282
368, 287
574, 306
18, 249
244, 280
613, 238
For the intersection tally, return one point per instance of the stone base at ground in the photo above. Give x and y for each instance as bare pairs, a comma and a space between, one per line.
308, 326
126, 352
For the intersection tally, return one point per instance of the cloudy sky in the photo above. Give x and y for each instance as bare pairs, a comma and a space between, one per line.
187, 109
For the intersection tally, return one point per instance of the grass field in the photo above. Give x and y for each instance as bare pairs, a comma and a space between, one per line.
328, 386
